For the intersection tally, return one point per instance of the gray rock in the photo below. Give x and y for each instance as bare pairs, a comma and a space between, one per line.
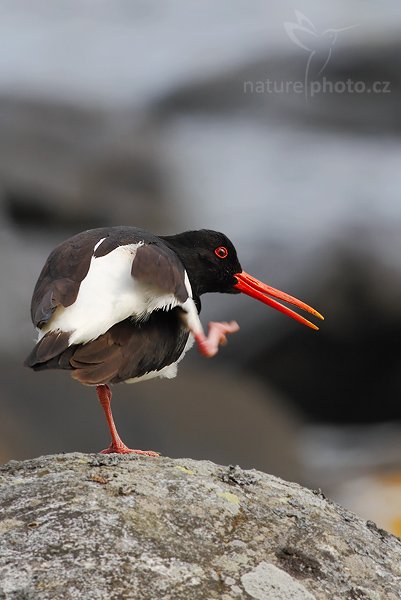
94, 527
267, 581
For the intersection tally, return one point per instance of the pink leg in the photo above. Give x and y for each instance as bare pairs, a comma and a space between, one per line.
209, 346
117, 445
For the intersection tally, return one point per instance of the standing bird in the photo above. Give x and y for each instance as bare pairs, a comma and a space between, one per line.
121, 304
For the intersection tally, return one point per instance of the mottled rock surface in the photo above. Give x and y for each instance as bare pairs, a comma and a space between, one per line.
97, 527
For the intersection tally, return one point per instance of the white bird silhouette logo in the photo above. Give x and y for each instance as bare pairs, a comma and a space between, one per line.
319, 45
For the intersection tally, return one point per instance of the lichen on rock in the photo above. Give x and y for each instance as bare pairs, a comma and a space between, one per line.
111, 527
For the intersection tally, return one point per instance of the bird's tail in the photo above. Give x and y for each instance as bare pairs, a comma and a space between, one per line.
51, 352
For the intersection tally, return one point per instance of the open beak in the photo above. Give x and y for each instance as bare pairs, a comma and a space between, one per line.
256, 289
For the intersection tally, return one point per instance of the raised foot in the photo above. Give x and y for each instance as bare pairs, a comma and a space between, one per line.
123, 449
217, 336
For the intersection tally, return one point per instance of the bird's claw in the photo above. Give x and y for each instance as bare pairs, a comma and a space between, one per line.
217, 336
123, 449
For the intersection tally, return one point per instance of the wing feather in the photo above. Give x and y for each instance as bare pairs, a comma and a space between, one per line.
112, 350
155, 265
130, 350
61, 276
159, 267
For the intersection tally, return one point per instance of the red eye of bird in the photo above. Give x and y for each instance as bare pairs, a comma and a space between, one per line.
221, 252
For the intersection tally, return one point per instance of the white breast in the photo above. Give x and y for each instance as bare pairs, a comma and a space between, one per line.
108, 294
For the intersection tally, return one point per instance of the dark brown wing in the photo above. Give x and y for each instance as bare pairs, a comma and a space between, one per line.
129, 349
58, 284
61, 276
158, 267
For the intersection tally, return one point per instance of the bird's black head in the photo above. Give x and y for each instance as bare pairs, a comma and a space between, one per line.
209, 258
211, 262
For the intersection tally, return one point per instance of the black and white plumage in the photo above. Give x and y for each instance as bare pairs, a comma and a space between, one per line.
107, 305
121, 304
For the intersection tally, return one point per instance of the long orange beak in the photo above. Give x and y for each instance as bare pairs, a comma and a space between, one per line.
256, 289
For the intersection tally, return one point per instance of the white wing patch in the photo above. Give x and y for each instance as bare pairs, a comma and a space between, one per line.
98, 244
191, 317
108, 294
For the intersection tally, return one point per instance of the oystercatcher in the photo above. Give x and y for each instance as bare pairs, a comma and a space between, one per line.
121, 304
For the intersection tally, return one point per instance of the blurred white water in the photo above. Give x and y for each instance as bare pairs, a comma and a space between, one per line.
126, 53
299, 187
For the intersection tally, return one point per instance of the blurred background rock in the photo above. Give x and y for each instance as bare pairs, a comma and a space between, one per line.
157, 113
